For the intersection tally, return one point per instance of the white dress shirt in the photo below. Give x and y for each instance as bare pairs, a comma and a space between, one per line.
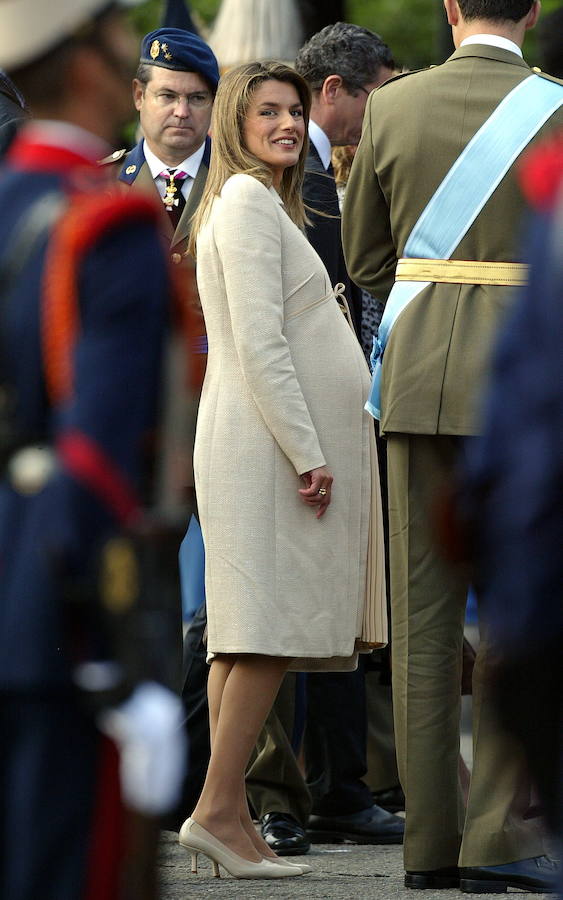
190, 166
493, 40
320, 142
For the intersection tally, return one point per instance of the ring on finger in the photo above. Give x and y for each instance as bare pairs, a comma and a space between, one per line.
322, 491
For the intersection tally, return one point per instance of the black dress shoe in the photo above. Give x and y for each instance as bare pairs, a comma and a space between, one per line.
392, 799
537, 875
433, 878
284, 834
369, 826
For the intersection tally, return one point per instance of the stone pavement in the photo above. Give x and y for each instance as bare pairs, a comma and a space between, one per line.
341, 872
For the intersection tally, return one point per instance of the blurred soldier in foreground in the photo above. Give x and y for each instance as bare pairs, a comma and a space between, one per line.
84, 303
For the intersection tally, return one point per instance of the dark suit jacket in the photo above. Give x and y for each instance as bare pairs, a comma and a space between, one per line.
135, 173
319, 193
177, 417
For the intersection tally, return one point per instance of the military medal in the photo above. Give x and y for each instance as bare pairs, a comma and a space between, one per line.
169, 199
173, 198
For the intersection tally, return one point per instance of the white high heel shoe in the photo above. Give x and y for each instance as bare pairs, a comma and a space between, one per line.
282, 861
197, 839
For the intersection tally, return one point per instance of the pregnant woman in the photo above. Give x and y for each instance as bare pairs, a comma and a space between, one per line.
285, 459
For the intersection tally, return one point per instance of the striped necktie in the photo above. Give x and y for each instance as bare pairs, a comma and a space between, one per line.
174, 201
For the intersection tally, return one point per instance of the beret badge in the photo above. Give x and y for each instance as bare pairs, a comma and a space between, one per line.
179, 50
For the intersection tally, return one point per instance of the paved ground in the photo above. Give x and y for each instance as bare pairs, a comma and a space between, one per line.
341, 872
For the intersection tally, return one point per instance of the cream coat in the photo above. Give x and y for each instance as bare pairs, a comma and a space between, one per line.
284, 392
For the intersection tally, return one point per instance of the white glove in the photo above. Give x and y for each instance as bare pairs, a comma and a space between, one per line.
148, 730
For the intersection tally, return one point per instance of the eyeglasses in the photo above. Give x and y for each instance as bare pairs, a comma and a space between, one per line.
165, 99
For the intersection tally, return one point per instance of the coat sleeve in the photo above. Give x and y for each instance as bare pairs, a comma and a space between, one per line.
248, 239
369, 250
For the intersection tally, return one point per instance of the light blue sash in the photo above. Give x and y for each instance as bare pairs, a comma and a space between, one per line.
462, 195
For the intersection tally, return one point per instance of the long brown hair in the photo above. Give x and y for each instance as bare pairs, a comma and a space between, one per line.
229, 155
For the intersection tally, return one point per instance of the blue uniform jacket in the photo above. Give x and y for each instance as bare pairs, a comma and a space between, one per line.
123, 299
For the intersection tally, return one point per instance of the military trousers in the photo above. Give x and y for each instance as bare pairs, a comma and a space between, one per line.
381, 756
428, 599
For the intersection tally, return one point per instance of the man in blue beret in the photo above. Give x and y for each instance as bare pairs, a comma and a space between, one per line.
173, 91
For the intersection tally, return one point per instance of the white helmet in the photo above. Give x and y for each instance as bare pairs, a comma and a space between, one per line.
27, 33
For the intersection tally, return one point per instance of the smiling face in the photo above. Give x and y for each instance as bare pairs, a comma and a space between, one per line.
173, 128
274, 129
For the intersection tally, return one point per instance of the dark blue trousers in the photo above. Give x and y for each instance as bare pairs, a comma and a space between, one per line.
49, 752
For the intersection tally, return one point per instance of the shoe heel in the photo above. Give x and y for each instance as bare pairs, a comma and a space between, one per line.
418, 882
194, 862
195, 839
479, 886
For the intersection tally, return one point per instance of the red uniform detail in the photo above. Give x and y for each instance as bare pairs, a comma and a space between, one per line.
106, 851
88, 218
28, 156
89, 464
541, 172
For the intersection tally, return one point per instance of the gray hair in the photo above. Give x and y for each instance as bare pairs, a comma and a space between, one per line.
355, 53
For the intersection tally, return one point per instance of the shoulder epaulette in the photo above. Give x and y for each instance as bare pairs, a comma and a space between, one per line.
400, 75
114, 157
537, 71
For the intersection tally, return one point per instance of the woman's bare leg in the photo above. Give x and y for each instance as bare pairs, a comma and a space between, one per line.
218, 673
246, 821
245, 699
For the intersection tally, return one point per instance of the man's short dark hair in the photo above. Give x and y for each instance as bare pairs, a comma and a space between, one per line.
145, 71
495, 10
355, 53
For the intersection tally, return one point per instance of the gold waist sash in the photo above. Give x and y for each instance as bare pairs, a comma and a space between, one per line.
459, 271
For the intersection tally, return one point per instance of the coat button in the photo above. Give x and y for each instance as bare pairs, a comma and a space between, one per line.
176, 258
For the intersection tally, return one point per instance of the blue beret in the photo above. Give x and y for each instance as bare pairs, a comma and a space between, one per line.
174, 48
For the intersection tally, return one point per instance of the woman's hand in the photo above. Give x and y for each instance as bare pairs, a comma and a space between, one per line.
318, 487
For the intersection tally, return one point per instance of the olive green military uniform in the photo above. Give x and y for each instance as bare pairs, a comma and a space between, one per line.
433, 375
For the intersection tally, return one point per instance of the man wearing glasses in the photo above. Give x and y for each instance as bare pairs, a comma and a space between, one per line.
173, 92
